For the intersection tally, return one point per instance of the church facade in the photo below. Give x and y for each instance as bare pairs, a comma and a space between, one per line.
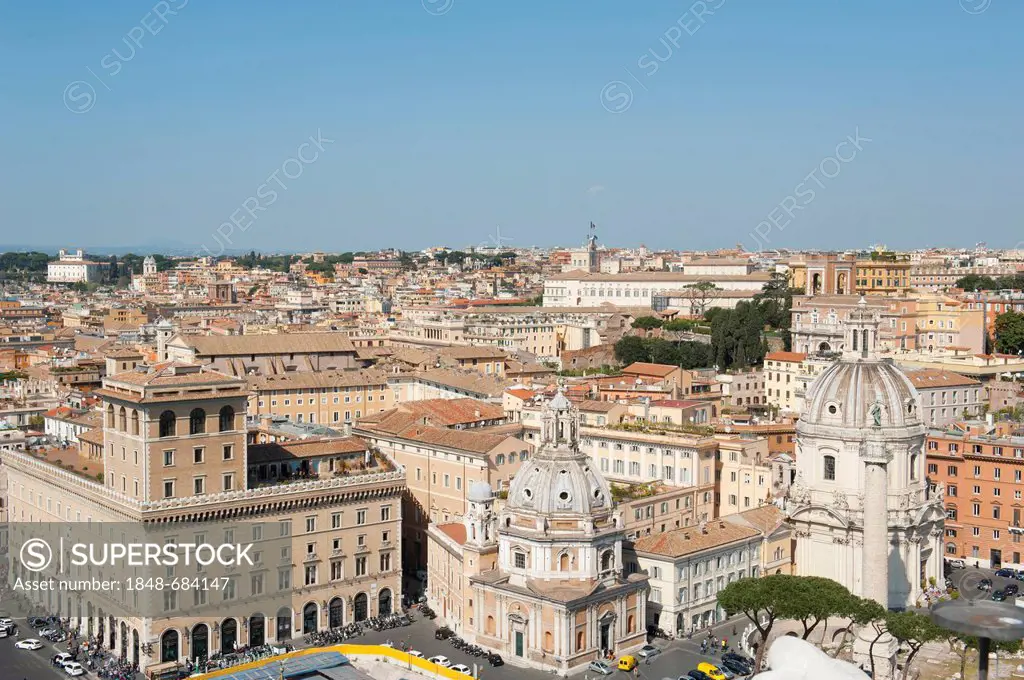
862, 507
542, 578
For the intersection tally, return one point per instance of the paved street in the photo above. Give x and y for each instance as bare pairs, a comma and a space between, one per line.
22, 664
677, 657
967, 580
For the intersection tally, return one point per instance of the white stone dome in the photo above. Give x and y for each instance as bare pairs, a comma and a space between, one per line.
480, 492
854, 394
558, 483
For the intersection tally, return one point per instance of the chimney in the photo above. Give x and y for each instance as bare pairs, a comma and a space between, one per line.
476, 414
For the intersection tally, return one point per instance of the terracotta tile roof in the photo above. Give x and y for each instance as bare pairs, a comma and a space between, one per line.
305, 448
455, 531
284, 343
680, 542
521, 393
641, 368
172, 373
765, 518
464, 440
93, 436
795, 357
926, 378
446, 412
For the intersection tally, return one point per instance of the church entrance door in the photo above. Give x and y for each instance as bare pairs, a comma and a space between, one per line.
606, 636
519, 643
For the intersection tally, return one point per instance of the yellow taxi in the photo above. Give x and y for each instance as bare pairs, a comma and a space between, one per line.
627, 663
711, 670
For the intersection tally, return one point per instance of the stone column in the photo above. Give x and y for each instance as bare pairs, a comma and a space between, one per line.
875, 564
875, 576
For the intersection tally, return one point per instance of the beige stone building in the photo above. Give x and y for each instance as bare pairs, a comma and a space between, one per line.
444, 448
242, 355
781, 379
744, 476
330, 398
174, 457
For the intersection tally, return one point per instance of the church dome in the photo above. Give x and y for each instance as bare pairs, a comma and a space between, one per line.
862, 394
559, 479
480, 492
862, 389
552, 485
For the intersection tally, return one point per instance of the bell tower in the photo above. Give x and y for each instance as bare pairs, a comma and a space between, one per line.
861, 332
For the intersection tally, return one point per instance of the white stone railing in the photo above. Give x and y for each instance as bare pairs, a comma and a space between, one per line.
25, 461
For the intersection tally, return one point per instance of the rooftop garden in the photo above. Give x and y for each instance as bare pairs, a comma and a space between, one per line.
645, 427
631, 492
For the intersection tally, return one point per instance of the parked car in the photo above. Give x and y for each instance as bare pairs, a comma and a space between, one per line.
737, 667
648, 651
495, 659
443, 633
600, 667
63, 659
461, 668
985, 584
696, 675
413, 652
440, 660
1011, 589
957, 563
1006, 573
29, 643
74, 669
711, 670
627, 663
998, 596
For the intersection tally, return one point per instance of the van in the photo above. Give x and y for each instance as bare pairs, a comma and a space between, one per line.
627, 663
711, 670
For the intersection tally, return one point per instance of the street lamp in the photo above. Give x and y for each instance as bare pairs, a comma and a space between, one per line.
985, 619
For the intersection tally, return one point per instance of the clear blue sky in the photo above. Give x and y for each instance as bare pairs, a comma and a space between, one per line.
491, 113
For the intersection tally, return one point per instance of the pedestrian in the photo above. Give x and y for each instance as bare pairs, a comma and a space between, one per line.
734, 630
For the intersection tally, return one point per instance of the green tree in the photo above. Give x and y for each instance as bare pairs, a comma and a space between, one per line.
700, 296
1009, 330
912, 630
36, 421
647, 322
631, 349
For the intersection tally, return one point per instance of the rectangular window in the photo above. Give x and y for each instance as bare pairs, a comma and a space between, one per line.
385, 513
335, 520
229, 452
360, 566
168, 458
199, 485
229, 482
360, 516
197, 455
310, 525
169, 489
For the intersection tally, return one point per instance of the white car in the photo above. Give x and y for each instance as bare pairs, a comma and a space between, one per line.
63, 659
601, 667
6, 621
74, 668
957, 563
440, 661
30, 643
4, 631
413, 652
462, 668
648, 651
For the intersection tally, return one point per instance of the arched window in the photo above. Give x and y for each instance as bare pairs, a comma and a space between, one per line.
830, 468
169, 646
197, 421
110, 416
500, 459
563, 562
607, 560
135, 423
913, 467
227, 419
168, 424
122, 420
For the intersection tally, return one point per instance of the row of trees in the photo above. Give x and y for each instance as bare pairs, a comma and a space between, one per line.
978, 282
811, 601
687, 354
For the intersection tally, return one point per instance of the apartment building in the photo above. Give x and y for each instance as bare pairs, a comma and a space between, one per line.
687, 567
946, 397
882, 276
173, 458
329, 398
743, 388
781, 373
633, 456
980, 467
744, 475
444, 445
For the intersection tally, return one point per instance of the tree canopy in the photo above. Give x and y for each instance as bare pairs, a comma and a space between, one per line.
1009, 329
687, 353
978, 282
